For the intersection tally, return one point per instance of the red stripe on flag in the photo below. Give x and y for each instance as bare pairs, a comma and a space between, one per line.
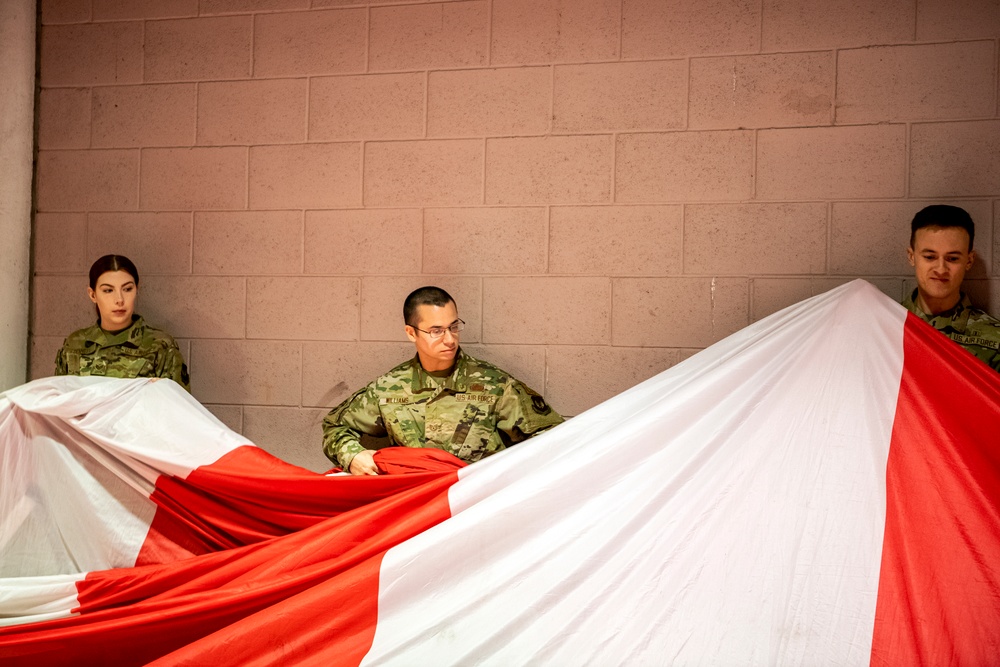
249, 495
310, 592
939, 587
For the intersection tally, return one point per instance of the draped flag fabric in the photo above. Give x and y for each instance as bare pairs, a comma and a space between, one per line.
821, 487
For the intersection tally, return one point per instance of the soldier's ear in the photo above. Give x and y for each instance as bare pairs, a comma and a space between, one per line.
972, 260
909, 255
92, 294
411, 333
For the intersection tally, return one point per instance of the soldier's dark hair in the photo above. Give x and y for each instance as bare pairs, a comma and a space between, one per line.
111, 263
423, 296
942, 215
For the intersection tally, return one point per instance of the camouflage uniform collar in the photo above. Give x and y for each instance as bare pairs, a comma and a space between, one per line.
457, 381
957, 316
910, 303
131, 336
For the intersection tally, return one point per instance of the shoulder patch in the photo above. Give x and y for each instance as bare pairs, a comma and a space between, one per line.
539, 405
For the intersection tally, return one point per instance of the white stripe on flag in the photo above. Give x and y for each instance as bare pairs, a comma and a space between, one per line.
33, 599
728, 511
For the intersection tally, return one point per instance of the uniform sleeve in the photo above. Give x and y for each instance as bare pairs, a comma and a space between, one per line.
61, 368
522, 412
344, 425
171, 365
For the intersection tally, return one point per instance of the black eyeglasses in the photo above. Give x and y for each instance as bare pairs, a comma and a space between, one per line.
437, 332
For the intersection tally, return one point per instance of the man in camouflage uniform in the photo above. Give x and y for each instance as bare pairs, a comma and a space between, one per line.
441, 398
138, 351
941, 253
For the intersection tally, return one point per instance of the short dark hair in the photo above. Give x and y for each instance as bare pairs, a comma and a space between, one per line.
112, 263
942, 215
423, 296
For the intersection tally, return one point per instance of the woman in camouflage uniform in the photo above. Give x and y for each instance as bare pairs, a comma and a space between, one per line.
121, 344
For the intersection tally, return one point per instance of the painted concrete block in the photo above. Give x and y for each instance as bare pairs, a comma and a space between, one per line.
955, 159
551, 169
543, 31
94, 53
817, 24
302, 308
476, 103
921, 82
64, 11
155, 242
484, 240
307, 43
616, 240
252, 112
620, 96
195, 306
413, 173
61, 305
580, 377
382, 106
294, 435
435, 35
684, 166
198, 49
147, 115
836, 162
64, 118
193, 178
42, 357
59, 243
239, 372
754, 239
209, 7
357, 242
547, 310
663, 28
677, 312
87, 180
305, 176
939, 20
782, 89
120, 10
248, 242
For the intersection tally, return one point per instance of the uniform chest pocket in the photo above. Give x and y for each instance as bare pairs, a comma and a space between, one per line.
130, 365
75, 362
475, 426
405, 424
117, 363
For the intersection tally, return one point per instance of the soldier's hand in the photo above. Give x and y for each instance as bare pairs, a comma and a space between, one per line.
363, 463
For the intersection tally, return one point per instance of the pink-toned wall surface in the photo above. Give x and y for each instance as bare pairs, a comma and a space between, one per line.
606, 186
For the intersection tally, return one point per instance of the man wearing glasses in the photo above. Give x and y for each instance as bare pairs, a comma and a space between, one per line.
441, 398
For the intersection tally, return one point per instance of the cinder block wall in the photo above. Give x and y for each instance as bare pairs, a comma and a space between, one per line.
606, 186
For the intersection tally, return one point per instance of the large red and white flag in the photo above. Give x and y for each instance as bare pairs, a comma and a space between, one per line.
821, 487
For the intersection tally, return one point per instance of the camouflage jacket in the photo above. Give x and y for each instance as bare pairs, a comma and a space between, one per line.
475, 411
973, 329
139, 351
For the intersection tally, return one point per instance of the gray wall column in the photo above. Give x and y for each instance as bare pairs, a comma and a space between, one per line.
17, 121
